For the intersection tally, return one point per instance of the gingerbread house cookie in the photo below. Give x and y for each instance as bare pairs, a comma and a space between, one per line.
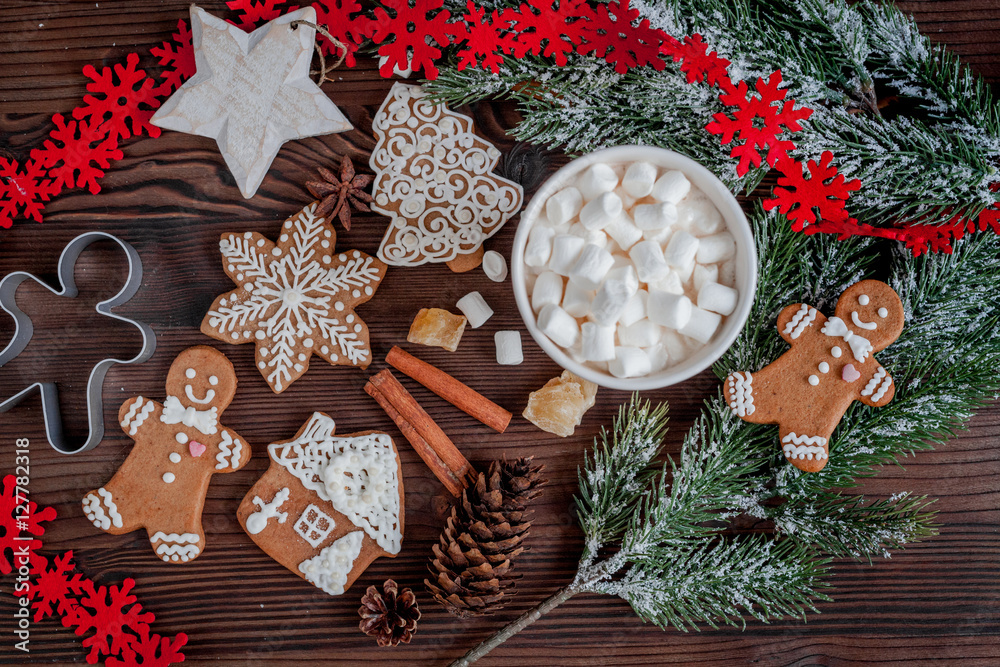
328, 505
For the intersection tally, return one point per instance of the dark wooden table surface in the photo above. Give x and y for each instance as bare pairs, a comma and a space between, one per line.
171, 197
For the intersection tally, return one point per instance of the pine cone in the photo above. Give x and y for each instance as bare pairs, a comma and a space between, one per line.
390, 618
472, 562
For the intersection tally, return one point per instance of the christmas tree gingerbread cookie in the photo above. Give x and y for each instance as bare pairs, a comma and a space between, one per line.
831, 364
328, 505
179, 445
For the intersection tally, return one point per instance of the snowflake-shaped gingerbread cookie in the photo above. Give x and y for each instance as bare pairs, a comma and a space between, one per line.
295, 298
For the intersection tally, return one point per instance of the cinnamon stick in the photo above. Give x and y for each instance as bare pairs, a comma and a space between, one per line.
462, 396
432, 444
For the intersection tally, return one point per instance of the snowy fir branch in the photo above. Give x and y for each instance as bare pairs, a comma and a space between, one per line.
905, 117
659, 531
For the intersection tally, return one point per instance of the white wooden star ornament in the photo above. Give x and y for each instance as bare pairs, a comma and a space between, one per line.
251, 92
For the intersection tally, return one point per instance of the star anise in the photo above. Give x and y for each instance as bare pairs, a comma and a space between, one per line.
337, 195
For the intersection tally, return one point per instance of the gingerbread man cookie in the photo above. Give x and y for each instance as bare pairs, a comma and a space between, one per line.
831, 364
179, 445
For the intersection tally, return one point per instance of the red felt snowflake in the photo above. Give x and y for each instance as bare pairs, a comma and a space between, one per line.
345, 20
23, 191
78, 156
151, 651
110, 612
822, 196
549, 28
758, 121
254, 12
18, 516
697, 63
52, 589
417, 27
482, 39
116, 107
176, 56
614, 35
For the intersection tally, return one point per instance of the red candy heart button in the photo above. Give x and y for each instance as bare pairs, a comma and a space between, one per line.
197, 449
850, 373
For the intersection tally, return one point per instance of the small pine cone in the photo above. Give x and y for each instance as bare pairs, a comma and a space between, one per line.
390, 618
472, 560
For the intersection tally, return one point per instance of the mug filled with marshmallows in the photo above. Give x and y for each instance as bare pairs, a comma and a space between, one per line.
634, 267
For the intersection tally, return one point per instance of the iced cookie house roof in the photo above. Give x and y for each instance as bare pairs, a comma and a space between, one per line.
357, 475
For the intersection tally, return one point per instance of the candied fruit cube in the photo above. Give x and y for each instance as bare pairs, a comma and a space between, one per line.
437, 328
559, 406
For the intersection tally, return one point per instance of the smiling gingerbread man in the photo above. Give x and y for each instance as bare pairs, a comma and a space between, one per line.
179, 445
831, 364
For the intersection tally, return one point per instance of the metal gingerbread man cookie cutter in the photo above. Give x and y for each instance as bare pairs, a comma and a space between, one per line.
24, 330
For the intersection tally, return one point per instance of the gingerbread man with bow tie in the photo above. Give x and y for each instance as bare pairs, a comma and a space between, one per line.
179, 445
831, 364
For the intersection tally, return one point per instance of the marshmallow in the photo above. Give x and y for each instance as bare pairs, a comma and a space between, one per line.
654, 216
595, 236
661, 236
563, 206
635, 309
539, 246
508, 344
475, 309
624, 232
601, 211
685, 272
675, 345
614, 294
548, 289
591, 267
639, 179
705, 274
576, 301
700, 217
629, 362
671, 283
640, 334
669, 310
672, 187
658, 357
647, 258
718, 298
596, 180
597, 343
715, 248
727, 273
701, 325
681, 249
566, 249
495, 266
558, 325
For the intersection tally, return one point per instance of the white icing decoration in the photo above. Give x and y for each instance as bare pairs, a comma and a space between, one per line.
94, 508
314, 525
176, 547
328, 569
189, 392
804, 446
174, 457
133, 423
860, 346
813, 380
884, 387
213, 380
190, 373
169, 477
863, 299
369, 499
870, 387
803, 318
742, 394
440, 216
836, 352
231, 447
870, 326
181, 438
824, 367
257, 521
174, 412
293, 296
883, 312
